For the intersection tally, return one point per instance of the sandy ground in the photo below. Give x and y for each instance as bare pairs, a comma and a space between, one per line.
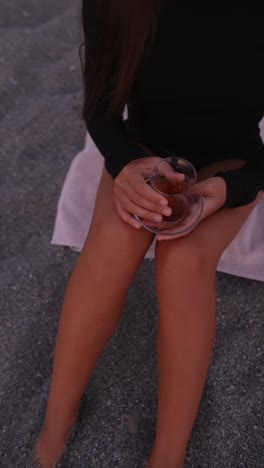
40, 132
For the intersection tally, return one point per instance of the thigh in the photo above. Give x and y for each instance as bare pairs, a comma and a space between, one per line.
213, 234
111, 243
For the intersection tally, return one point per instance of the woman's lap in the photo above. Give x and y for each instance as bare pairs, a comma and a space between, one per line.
209, 239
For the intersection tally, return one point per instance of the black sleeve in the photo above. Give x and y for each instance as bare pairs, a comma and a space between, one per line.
244, 184
114, 142
110, 135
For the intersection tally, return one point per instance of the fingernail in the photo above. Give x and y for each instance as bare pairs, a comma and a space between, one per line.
167, 211
157, 218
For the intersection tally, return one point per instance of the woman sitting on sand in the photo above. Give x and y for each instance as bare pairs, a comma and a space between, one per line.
193, 80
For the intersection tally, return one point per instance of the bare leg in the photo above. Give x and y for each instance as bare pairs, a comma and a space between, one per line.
186, 332
91, 310
185, 276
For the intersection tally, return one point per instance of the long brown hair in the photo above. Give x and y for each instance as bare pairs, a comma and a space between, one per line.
116, 33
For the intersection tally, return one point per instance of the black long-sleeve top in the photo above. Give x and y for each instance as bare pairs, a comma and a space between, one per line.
199, 92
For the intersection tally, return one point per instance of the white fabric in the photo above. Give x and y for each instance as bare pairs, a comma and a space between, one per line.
243, 257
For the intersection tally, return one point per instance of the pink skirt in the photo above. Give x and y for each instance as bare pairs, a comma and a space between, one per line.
243, 257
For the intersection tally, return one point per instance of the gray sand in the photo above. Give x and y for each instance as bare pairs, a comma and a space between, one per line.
40, 132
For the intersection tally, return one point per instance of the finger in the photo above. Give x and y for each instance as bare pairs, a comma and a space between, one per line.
142, 189
166, 178
132, 208
145, 203
167, 170
150, 223
184, 216
184, 227
127, 217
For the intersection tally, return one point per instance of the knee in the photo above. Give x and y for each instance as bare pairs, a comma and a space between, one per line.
182, 258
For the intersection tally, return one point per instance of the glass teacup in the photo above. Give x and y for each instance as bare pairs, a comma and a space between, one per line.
186, 207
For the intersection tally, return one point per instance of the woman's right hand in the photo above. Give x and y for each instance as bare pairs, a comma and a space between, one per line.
132, 195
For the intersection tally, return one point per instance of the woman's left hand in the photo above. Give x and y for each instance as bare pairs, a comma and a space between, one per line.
214, 193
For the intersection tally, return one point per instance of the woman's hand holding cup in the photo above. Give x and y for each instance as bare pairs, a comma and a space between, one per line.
133, 196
